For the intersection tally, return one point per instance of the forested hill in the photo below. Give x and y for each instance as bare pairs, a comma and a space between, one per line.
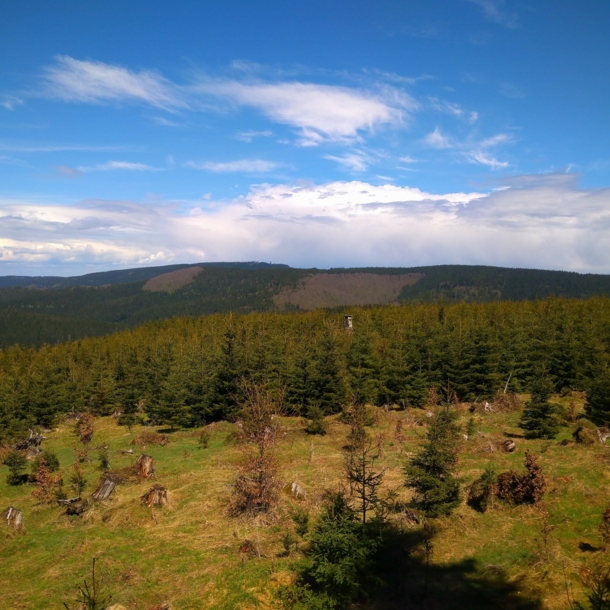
35, 310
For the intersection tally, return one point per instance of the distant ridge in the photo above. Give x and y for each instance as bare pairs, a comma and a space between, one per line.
121, 276
35, 310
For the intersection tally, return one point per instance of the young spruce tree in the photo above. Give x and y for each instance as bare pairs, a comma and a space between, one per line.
597, 407
539, 418
430, 471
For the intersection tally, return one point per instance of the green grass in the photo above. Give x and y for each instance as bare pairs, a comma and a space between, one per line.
188, 553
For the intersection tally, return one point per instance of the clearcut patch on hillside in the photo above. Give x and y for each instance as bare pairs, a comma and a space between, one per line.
340, 289
168, 282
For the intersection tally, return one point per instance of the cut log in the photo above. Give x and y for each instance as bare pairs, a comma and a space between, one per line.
76, 508
155, 496
69, 501
13, 518
104, 489
145, 466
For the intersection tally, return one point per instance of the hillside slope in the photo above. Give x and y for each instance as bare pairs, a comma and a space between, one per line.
37, 310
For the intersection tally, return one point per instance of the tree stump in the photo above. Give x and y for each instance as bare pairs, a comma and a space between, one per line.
508, 446
155, 496
295, 490
13, 518
104, 489
145, 466
31, 445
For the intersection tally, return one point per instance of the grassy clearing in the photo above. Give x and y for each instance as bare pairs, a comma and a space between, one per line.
188, 553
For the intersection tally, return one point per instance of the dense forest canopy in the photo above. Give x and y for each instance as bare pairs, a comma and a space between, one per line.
34, 311
187, 371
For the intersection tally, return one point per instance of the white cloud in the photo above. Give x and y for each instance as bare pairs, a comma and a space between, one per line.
248, 136
320, 112
483, 158
252, 166
436, 139
355, 162
71, 172
93, 81
112, 165
446, 107
10, 102
408, 159
36, 148
543, 221
493, 11
511, 90
475, 151
159, 120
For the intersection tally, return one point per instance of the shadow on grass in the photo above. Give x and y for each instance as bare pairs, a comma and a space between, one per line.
401, 579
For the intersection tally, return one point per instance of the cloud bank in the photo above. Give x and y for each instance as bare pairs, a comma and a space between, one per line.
543, 221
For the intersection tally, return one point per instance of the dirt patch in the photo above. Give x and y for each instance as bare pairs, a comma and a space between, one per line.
168, 282
338, 289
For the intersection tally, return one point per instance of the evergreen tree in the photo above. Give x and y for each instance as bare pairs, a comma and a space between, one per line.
16, 462
299, 387
327, 379
226, 394
340, 552
430, 471
597, 407
539, 418
363, 369
316, 423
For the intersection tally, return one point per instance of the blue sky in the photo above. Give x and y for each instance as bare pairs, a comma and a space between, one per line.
316, 133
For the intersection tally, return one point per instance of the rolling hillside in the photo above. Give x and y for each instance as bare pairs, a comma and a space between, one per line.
35, 310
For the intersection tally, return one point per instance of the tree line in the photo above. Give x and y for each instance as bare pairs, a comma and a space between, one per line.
188, 371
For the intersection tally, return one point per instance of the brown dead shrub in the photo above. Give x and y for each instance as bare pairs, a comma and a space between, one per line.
257, 486
527, 488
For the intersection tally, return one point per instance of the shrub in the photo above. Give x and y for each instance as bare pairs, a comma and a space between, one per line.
204, 438
316, 423
584, 436
483, 489
525, 488
301, 521
257, 486
50, 459
430, 472
340, 552
597, 406
540, 418
17, 464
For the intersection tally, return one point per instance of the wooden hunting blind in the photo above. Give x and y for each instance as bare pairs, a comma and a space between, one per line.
348, 323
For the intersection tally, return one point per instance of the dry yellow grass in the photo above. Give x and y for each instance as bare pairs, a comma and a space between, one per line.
188, 553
